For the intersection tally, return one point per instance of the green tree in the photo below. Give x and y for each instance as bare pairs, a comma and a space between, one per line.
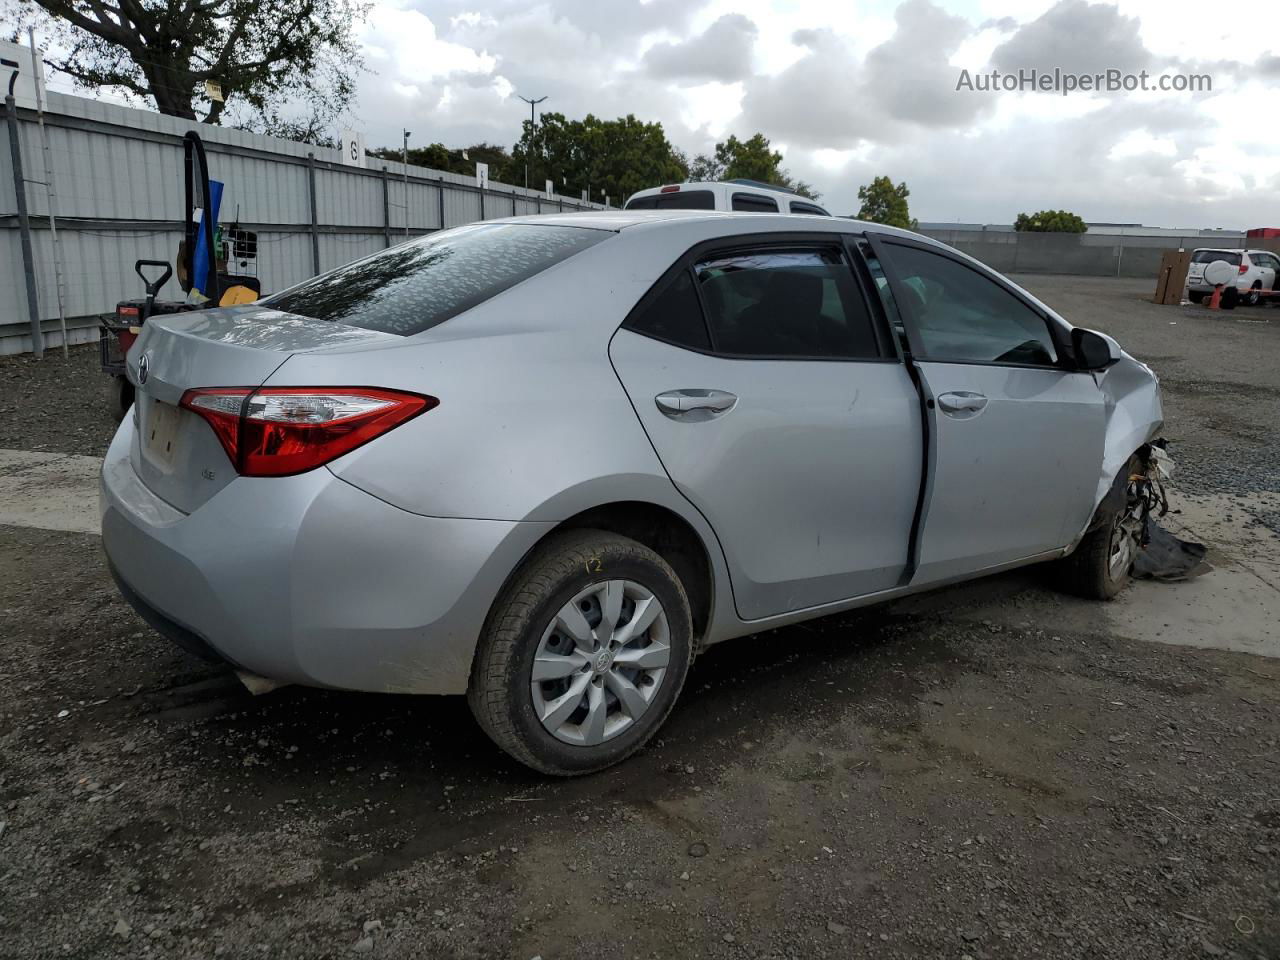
882, 202
750, 159
613, 158
1050, 221
264, 54
462, 161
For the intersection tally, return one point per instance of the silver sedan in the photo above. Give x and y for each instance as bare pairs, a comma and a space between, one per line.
545, 461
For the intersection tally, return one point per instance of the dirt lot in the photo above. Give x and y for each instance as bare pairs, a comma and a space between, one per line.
992, 771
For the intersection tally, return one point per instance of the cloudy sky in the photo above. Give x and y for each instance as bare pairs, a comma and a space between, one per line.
851, 89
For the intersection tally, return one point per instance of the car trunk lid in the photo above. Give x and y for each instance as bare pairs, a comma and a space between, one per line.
175, 452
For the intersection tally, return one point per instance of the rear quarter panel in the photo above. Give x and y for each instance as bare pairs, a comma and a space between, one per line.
532, 422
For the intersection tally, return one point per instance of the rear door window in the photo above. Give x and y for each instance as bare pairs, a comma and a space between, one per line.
676, 200
673, 314
418, 285
785, 302
754, 203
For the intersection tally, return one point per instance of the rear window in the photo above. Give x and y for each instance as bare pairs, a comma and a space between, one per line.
754, 203
415, 286
1208, 256
680, 200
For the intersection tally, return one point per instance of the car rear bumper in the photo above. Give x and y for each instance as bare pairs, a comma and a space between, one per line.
1199, 286
308, 579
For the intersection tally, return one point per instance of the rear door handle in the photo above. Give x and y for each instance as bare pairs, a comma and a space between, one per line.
695, 405
962, 402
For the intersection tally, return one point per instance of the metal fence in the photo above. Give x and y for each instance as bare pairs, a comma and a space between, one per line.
119, 180
1083, 254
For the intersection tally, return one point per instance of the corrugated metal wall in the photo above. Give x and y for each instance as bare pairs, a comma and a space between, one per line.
119, 180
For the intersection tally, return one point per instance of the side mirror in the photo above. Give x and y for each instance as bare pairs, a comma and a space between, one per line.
1092, 350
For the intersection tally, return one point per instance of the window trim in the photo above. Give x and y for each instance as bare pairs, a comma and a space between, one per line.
752, 241
814, 209
733, 198
1059, 337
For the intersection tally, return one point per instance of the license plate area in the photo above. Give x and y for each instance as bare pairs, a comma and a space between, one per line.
161, 433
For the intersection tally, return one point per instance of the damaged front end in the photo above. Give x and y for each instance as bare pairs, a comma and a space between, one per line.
1134, 416
1136, 467
1136, 499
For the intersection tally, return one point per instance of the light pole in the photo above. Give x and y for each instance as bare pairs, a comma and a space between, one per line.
404, 159
533, 129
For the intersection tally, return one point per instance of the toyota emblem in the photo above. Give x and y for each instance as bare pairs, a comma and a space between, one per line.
144, 367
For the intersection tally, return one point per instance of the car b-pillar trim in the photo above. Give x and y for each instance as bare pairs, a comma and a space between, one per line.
925, 400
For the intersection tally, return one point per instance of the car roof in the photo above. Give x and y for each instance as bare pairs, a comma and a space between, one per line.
751, 186
734, 222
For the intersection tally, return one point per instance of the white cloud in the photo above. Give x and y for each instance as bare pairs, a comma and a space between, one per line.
1142, 142
722, 53
858, 89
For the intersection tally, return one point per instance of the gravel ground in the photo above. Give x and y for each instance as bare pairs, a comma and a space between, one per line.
55, 404
894, 783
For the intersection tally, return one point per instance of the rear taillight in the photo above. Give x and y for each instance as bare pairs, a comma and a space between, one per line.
670, 188
1244, 268
280, 431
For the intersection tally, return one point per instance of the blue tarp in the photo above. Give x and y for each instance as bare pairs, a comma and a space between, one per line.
200, 266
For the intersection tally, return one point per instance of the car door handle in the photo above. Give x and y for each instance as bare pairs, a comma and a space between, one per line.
962, 401
695, 404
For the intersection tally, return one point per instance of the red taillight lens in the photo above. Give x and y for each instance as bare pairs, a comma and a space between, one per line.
123, 311
1244, 268
670, 188
280, 431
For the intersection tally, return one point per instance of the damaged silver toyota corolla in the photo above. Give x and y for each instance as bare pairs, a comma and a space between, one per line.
545, 461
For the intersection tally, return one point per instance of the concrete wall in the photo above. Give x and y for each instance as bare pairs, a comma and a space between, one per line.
119, 179
1084, 254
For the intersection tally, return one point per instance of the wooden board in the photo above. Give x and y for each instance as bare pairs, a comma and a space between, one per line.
1172, 278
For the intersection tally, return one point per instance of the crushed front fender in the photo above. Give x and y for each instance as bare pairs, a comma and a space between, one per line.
1134, 415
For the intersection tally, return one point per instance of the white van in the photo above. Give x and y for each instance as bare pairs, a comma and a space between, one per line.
747, 195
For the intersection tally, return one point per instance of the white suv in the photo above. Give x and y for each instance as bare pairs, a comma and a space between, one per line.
1257, 271
750, 196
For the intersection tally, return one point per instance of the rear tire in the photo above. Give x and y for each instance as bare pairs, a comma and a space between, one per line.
1101, 564
1195, 296
119, 396
553, 617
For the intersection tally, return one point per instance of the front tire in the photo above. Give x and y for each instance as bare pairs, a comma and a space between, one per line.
1100, 566
583, 655
1254, 296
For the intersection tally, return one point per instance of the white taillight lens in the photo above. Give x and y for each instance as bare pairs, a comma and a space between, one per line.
314, 407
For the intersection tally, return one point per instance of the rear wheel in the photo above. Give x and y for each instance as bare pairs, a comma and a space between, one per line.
119, 396
1195, 296
1101, 564
584, 654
